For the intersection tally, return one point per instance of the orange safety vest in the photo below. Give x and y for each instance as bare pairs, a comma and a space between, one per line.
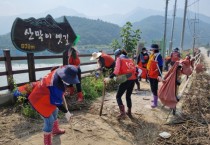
151, 57
40, 97
127, 66
144, 72
108, 60
153, 71
74, 61
175, 56
143, 65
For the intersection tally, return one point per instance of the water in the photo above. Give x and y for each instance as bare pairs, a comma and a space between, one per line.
20, 65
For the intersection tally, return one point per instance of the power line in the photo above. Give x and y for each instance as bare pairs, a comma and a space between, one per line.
193, 3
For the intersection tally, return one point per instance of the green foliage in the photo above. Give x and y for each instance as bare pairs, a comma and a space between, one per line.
93, 31
115, 44
129, 37
22, 102
29, 112
92, 87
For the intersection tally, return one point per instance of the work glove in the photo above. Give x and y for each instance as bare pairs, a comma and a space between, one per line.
106, 80
68, 116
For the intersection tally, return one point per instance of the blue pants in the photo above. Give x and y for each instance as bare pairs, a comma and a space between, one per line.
48, 122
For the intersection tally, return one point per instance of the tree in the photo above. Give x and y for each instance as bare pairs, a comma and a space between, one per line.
129, 37
115, 44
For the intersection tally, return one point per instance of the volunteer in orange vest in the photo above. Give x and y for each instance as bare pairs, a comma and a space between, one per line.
105, 61
75, 60
124, 66
47, 97
143, 58
175, 56
154, 67
142, 61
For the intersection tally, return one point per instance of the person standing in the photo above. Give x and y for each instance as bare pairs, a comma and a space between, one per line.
155, 66
143, 58
75, 60
124, 66
47, 98
105, 61
175, 56
142, 61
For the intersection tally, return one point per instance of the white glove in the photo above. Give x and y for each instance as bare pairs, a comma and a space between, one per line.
68, 116
139, 72
106, 80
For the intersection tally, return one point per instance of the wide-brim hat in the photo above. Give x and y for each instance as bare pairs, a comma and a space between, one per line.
154, 47
68, 74
95, 55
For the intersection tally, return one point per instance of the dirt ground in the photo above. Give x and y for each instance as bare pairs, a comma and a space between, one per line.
88, 128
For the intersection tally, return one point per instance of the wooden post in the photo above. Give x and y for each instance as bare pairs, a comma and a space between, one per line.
65, 58
31, 67
8, 65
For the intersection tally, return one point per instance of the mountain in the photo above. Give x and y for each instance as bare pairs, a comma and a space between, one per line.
92, 32
7, 21
135, 15
98, 32
152, 28
191, 15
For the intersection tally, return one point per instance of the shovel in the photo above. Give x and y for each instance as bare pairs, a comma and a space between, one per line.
102, 101
66, 106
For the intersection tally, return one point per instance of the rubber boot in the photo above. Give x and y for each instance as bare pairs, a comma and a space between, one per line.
47, 138
122, 112
155, 102
153, 99
129, 113
80, 97
56, 130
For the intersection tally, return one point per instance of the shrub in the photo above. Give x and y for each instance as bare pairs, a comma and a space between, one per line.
92, 87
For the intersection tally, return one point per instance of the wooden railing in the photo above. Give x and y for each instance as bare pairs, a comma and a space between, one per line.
7, 58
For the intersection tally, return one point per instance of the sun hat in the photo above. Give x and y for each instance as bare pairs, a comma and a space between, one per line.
95, 55
154, 47
68, 74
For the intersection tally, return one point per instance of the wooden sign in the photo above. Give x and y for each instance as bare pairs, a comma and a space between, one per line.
35, 35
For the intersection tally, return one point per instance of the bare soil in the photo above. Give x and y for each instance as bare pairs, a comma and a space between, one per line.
88, 128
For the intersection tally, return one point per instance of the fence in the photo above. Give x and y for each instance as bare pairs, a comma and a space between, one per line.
7, 58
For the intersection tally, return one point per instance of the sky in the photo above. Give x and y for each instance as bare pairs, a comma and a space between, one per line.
96, 7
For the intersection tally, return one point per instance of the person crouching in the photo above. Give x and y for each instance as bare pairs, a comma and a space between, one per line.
47, 98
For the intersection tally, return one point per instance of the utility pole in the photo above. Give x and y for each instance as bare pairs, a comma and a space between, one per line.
183, 26
194, 33
172, 30
165, 28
